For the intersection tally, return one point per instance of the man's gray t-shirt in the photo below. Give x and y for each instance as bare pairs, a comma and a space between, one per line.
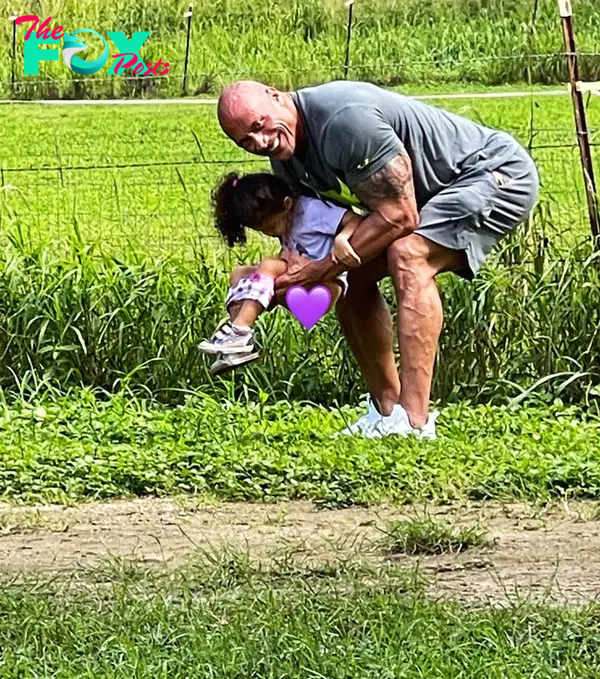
353, 129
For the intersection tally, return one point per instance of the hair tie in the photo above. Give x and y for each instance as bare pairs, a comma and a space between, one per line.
234, 183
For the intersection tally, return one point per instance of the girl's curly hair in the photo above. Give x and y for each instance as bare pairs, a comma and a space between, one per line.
240, 202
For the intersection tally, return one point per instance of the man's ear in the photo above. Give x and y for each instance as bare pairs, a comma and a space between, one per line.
288, 202
275, 95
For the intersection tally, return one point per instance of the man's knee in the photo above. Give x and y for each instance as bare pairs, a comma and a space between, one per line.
408, 263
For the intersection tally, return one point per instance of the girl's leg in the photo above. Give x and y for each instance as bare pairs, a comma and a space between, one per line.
252, 291
250, 310
242, 272
236, 276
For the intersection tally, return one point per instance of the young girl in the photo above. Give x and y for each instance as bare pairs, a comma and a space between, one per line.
306, 226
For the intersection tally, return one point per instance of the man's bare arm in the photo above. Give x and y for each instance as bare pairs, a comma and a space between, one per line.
390, 195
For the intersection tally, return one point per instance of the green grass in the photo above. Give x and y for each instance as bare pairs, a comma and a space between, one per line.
302, 42
126, 205
428, 535
80, 318
113, 273
82, 448
224, 618
129, 201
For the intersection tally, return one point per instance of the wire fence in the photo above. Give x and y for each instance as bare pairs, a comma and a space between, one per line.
60, 85
299, 43
141, 176
147, 184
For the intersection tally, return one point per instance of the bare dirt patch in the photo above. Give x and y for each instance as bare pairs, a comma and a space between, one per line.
550, 554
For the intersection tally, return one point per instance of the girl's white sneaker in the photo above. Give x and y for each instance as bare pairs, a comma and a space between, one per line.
227, 362
229, 339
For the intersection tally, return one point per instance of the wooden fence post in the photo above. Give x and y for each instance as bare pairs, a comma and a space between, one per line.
188, 15
13, 62
350, 5
566, 14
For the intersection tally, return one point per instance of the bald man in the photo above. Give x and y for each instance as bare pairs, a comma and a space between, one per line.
438, 191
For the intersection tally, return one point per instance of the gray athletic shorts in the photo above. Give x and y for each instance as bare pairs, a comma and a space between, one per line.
483, 205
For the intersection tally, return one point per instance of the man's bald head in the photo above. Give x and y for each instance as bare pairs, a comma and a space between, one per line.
260, 119
240, 100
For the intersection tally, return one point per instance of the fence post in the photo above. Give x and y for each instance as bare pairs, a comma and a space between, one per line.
13, 18
350, 5
187, 15
566, 14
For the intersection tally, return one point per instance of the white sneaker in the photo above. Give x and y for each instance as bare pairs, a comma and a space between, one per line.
399, 423
396, 422
427, 431
227, 362
363, 425
229, 339
374, 425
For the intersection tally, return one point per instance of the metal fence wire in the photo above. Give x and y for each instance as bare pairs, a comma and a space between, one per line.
140, 176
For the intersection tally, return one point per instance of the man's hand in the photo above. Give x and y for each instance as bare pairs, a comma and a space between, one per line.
303, 271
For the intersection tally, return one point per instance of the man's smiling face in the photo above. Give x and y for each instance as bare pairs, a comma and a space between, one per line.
259, 119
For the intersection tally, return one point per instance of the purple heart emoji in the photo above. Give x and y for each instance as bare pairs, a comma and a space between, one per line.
308, 306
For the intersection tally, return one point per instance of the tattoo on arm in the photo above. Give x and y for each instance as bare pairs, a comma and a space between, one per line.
393, 182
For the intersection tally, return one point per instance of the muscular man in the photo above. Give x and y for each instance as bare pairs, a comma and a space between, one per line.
439, 191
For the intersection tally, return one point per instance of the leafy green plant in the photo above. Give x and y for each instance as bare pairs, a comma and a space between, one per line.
87, 445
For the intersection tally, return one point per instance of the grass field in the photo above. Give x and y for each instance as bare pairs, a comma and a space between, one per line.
81, 447
303, 42
227, 615
158, 165
110, 273
224, 618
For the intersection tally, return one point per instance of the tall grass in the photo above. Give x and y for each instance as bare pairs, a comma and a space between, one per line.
302, 42
529, 322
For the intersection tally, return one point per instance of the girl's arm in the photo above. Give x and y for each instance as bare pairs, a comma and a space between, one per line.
343, 252
349, 224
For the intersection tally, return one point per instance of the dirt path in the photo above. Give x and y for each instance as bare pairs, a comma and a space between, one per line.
551, 554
